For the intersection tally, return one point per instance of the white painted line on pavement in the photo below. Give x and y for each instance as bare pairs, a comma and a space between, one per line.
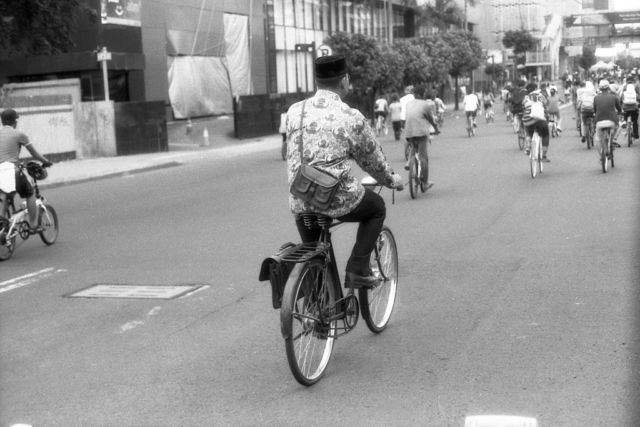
27, 279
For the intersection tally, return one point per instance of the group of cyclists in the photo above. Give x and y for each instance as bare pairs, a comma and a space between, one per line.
606, 102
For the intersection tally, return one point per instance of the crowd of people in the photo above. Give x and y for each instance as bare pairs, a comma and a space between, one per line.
605, 100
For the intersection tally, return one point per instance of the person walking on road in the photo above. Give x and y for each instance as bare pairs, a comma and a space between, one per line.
333, 136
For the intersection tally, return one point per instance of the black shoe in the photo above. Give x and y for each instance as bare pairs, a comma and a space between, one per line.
544, 159
615, 144
356, 281
584, 139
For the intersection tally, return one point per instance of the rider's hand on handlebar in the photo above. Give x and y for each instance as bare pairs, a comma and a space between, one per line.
397, 182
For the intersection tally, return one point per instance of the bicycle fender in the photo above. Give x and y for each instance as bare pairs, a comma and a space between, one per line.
287, 306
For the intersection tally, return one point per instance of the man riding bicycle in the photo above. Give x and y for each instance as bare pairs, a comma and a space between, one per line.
333, 136
471, 105
586, 95
606, 108
381, 109
11, 142
516, 99
421, 117
630, 98
534, 117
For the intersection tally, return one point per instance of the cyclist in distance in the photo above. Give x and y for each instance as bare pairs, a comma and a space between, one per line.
408, 96
554, 106
381, 108
333, 136
471, 104
516, 99
534, 117
395, 110
630, 98
586, 95
11, 142
421, 117
606, 108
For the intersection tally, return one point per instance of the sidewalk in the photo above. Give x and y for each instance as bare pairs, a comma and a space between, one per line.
183, 147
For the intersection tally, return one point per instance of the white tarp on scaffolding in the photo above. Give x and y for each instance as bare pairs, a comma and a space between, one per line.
199, 86
208, 63
236, 37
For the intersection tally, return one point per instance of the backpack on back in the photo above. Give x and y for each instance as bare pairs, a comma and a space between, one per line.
587, 101
533, 109
629, 96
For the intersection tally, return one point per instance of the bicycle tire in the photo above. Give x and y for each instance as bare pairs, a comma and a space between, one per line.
377, 304
308, 343
413, 176
589, 135
611, 148
424, 181
534, 155
48, 220
521, 138
6, 248
283, 151
629, 132
604, 158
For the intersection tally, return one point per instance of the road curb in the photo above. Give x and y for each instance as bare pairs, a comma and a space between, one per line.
107, 175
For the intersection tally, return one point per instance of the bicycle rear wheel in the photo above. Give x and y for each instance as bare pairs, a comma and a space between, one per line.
6, 245
521, 136
589, 135
308, 296
49, 223
534, 155
424, 173
414, 178
377, 304
604, 154
629, 132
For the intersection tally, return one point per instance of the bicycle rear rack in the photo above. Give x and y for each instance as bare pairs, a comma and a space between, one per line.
305, 251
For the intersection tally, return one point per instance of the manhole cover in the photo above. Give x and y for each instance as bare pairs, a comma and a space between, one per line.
117, 290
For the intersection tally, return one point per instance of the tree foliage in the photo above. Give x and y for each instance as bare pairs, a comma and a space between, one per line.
465, 50
39, 27
520, 40
588, 58
441, 14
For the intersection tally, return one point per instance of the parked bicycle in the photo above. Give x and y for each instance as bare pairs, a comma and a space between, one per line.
535, 154
314, 308
14, 222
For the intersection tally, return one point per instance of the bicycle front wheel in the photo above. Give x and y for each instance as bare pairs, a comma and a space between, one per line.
308, 297
49, 223
6, 244
424, 175
377, 303
414, 177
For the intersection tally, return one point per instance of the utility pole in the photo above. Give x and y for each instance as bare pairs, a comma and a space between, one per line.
103, 56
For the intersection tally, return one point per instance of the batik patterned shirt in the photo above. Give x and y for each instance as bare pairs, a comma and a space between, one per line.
334, 135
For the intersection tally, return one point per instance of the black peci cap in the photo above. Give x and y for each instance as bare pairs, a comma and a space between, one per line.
9, 116
330, 67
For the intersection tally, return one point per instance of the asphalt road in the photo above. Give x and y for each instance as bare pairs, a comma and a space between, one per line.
517, 296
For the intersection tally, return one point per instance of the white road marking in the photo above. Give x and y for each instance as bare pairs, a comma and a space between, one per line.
135, 323
27, 279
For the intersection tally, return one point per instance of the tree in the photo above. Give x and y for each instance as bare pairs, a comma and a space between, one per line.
587, 59
465, 53
39, 27
520, 40
441, 14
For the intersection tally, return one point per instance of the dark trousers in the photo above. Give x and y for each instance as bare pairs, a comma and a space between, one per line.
634, 120
370, 213
542, 126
